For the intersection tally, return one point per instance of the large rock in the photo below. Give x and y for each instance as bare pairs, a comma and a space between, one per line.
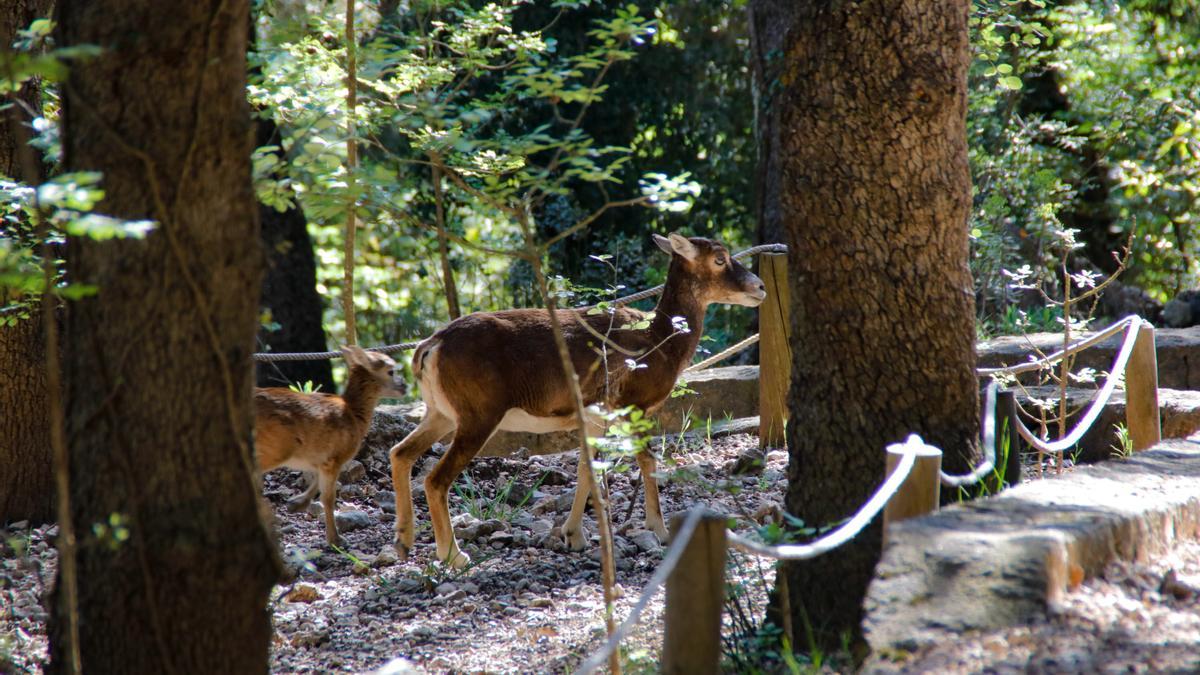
1178, 411
1178, 354
1005, 560
720, 394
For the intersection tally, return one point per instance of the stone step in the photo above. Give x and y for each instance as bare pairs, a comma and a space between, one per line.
1006, 560
1178, 354
720, 394
1179, 417
721, 397
391, 423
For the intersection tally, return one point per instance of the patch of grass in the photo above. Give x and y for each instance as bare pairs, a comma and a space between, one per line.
1122, 447
497, 507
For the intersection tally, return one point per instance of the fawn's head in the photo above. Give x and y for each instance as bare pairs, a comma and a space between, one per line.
710, 273
374, 367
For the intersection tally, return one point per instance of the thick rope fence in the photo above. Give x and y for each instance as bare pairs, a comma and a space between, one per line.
989, 446
1131, 325
269, 357
909, 451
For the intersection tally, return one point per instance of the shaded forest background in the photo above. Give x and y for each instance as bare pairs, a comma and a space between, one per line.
1083, 116
483, 129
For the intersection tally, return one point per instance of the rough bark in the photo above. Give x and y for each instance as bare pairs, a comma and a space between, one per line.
157, 363
14, 16
769, 21
26, 489
875, 199
26, 485
290, 292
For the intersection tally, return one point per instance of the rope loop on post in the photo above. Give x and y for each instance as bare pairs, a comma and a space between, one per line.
989, 446
679, 541
266, 357
1132, 325
909, 449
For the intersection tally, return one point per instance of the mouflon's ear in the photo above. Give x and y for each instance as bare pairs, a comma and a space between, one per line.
677, 243
683, 246
663, 243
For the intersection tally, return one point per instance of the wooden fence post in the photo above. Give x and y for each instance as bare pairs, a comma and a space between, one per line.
919, 493
1006, 434
774, 351
1141, 392
696, 599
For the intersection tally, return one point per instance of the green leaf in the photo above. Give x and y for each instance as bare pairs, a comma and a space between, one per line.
100, 228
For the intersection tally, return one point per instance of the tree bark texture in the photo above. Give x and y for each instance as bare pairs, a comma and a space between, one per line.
175, 564
290, 292
26, 487
26, 481
875, 198
16, 15
769, 21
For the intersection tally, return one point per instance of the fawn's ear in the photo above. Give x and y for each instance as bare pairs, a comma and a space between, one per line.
353, 354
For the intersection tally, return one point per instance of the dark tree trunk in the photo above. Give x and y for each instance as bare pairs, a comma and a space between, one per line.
290, 293
875, 197
769, 22
26, 481
14, 16
175, 564
1091, 212
26, 488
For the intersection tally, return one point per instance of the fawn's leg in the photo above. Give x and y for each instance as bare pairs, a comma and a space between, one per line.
469, 439
327, 478
301, 501
403, 456
654, 519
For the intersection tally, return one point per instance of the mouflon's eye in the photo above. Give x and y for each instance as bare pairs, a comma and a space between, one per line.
720, 260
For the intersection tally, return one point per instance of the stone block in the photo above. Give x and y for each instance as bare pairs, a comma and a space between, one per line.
721, 395
1178, 354
1005, 560
1179, 417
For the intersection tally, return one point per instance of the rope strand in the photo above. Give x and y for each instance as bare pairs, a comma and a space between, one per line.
267, 357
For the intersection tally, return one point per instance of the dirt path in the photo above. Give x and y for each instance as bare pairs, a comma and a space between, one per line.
528, 606
1136, 618
525, 606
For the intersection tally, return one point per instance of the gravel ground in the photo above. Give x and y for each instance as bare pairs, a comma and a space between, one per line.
527, 605
1136, 618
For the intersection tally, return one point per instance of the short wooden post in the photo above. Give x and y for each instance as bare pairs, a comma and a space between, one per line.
919, 493
1141, 392
696, 599
1006, 435
774, 351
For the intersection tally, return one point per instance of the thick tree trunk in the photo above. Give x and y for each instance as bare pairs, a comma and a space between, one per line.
26, 485
875, 199
26, 488
174, 561
769, 22
14, 16
290, 292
